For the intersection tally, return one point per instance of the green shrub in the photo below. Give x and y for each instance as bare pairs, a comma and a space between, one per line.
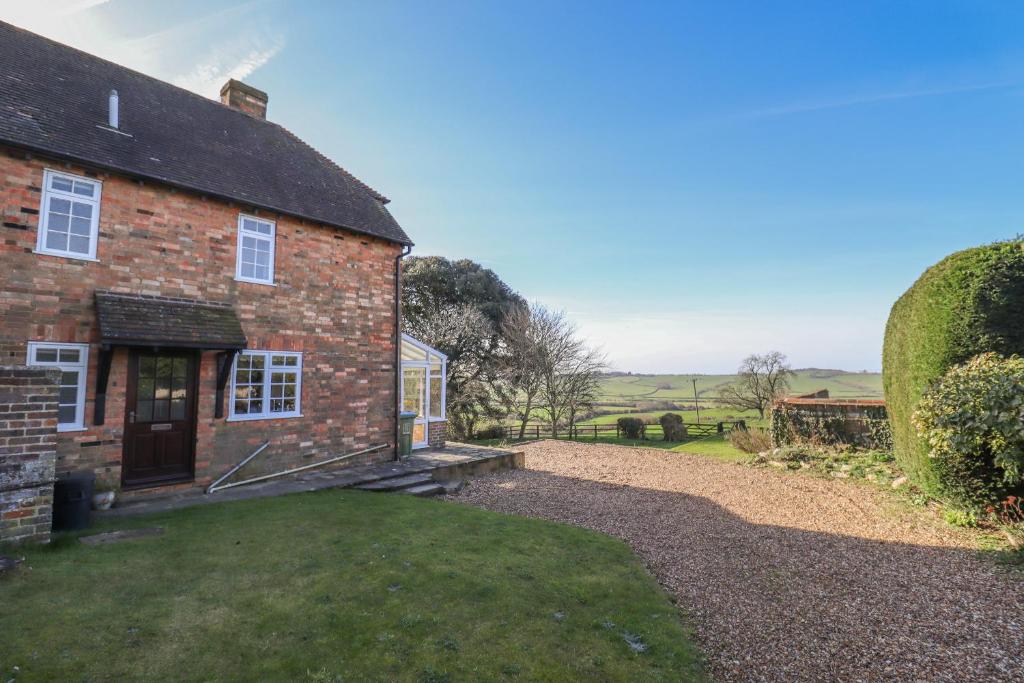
958, 517
880, 432
672, 427
492, 432
791, 426
969, 303
631, 427
972, 421
750, 440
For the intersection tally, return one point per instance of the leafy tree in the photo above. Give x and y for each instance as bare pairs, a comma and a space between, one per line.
458, 307
762, 380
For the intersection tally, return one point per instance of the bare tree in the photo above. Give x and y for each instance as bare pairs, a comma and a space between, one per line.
583, 383
569, 369
520, 374
762, 380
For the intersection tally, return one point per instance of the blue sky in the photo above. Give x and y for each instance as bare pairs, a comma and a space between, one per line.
690, 182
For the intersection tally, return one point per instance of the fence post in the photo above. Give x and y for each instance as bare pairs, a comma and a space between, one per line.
536, 429
721, 427
617, 432
595, 431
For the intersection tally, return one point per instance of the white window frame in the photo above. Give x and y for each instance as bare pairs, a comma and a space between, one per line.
44, 213
433, 356
267, 370
82, 367
272, 238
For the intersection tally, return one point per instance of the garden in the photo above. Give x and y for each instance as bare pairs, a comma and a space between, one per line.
950, 431
339, 586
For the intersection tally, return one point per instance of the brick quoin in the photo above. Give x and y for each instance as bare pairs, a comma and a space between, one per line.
334, 301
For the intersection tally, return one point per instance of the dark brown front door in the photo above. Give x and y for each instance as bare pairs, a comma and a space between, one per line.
159, 429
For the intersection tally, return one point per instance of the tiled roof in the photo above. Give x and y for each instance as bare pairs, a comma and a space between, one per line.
140, 320
53, 100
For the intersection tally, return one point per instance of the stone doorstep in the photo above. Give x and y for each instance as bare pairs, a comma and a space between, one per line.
397, 483
423, 490
455, 462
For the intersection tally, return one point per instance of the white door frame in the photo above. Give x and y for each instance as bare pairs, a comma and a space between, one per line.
422, 416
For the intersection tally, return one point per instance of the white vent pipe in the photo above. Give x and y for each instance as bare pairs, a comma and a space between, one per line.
112, 114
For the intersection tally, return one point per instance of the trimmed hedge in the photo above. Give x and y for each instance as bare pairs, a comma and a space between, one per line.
968, 303
672, 427
631, 427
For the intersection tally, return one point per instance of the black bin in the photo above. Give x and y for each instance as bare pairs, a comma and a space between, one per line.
72, 501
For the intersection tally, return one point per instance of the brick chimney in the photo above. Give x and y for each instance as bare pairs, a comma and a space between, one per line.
242, 97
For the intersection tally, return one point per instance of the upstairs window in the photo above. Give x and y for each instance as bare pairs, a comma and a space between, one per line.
266, 384
255, 261
71, 360
69, 216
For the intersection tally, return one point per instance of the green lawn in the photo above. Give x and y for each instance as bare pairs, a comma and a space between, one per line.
717, 446
341, 585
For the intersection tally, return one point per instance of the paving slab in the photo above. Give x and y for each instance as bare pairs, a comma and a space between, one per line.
455, 460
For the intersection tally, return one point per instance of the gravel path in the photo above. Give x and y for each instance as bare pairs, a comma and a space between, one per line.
785, 577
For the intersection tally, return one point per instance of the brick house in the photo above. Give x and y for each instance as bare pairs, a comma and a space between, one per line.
204, 280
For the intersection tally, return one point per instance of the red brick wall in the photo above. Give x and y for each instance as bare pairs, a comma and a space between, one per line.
333, 301
28, 438
436, 433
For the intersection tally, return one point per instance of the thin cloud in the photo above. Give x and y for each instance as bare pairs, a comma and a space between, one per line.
75, 6
238, 62
857, 100
192, 53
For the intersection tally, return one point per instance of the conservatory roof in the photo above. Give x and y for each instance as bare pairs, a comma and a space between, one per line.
410, 354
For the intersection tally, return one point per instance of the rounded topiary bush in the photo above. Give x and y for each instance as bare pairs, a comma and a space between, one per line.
968, 303
672, 427
631, 427
973, 423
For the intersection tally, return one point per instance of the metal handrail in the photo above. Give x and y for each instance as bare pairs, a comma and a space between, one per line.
293, 470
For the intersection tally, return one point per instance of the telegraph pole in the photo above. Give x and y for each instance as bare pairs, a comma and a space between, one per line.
695, 402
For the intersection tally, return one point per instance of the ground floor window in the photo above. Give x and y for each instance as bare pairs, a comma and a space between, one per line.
72, 361
266, 384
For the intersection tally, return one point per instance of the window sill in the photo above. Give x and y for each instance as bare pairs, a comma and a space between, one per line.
71, 429
255, 282
74, 257
261, 418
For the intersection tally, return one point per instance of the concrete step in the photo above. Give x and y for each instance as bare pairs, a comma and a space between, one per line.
423, 490
453, 485
397, 483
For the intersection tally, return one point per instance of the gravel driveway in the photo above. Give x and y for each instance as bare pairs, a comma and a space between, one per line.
785, 577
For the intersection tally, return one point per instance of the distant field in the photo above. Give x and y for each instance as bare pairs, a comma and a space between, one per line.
627, 390
707, 414
635, 395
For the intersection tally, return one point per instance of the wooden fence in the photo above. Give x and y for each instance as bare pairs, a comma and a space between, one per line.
594, 431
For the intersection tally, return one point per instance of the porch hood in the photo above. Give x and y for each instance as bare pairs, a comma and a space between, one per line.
167, 322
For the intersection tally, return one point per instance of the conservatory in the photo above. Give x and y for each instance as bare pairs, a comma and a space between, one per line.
424, 370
